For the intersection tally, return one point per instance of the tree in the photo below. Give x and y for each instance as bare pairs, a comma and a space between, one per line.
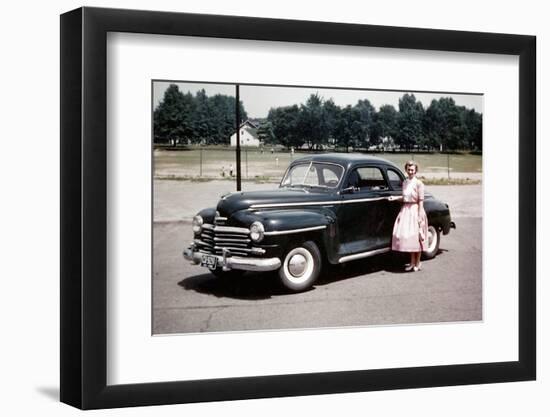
313, 125
202, 122
265, 133
409, 121
452, 127
285, 125
331, 113
197, 119
366, 117
349, 129
433, 125
222, 119
385, 123
452, 134
473, 122
172, 119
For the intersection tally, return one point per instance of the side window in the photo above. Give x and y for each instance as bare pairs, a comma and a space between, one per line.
312, 177
353, 179
303, 174
395, 179
297, 174
330, 177
367, 179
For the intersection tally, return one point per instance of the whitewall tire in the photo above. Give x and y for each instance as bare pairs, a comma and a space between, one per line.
300, 266
433, 238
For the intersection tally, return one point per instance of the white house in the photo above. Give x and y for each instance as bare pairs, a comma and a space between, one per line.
249, 135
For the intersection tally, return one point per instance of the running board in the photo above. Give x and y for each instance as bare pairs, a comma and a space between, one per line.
362, 255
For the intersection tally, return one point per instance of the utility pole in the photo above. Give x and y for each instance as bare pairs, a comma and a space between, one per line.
238, 124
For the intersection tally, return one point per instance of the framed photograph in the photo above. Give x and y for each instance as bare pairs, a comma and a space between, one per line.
258, 208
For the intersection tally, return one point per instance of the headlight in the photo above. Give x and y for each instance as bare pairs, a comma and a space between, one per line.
256, 231
197, 224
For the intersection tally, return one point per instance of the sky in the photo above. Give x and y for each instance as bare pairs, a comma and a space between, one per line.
257, 100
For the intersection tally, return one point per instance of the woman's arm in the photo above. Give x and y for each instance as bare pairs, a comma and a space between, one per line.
395, 198
420, 199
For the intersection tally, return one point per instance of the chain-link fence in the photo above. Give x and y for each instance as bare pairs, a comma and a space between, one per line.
269, 165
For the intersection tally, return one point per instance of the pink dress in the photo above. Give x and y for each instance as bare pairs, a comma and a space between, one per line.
410, 228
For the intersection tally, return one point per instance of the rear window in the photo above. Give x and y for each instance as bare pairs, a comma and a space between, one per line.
367, 178
395, 179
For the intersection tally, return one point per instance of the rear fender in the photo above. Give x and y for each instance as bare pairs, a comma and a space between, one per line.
438, 214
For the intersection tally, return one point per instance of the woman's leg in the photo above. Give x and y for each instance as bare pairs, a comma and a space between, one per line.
417, 259
411, 264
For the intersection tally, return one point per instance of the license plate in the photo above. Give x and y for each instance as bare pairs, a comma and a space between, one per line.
209, 261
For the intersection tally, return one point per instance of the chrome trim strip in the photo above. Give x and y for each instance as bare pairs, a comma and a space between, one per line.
287, 232
318, 203
231, 229
235, 240
362, 200
258, 251
228, 229
232, 249
362, 255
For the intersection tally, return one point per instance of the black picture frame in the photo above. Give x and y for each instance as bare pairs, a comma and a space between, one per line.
84, 207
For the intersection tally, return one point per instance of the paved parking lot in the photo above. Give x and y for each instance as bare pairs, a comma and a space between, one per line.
187, 298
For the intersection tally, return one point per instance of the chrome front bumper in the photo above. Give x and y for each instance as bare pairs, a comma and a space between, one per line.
235, 262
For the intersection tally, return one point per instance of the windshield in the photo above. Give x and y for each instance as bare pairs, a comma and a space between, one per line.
313, 174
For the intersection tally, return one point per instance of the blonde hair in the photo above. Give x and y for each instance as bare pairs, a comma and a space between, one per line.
411, 163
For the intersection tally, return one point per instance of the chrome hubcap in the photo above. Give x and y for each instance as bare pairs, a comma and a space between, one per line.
297, 265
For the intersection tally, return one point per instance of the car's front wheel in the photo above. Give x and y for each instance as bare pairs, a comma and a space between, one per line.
433, 239
301, 266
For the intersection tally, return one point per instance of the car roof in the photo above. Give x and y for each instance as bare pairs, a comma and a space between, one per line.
347, 160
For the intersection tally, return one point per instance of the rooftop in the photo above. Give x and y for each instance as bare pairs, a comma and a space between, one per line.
345, 158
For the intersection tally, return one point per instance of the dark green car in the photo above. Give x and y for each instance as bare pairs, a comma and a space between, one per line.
331, 208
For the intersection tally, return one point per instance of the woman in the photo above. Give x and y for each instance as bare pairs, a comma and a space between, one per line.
411, 226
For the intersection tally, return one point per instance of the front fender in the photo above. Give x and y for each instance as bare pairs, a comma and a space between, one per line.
285, 220
208, 214
284, 226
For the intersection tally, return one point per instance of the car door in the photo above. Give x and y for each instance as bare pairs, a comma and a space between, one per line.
362, 211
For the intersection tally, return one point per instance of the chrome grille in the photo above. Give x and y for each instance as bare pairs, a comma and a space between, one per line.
215, 238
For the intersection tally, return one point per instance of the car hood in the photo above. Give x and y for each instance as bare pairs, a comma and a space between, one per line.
281, 197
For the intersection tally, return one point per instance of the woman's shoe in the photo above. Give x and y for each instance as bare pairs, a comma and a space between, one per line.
417, 268
409, 267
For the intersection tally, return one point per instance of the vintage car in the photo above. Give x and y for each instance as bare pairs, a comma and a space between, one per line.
331, 208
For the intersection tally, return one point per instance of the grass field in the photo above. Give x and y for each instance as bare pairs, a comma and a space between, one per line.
211, 163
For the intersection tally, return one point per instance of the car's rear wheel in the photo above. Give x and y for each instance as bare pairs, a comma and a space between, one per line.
301, 266
433, 238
